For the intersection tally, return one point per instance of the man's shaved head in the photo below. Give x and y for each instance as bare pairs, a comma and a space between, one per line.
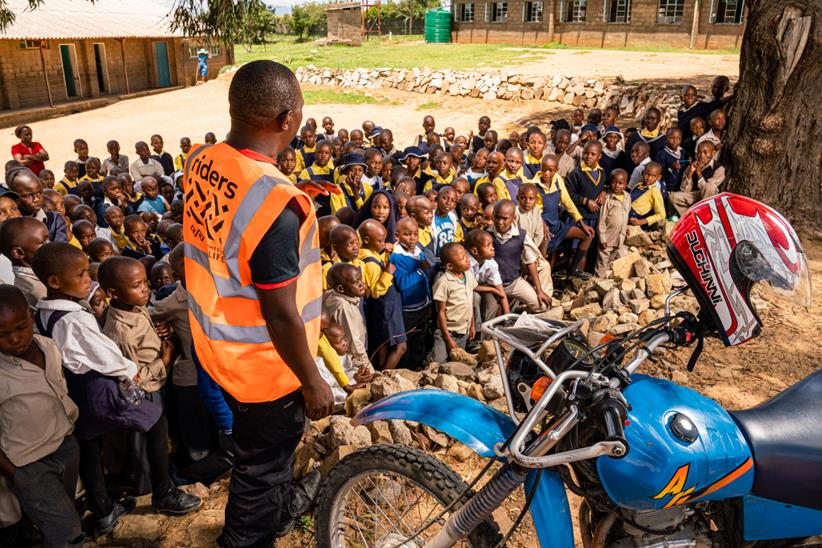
262, 91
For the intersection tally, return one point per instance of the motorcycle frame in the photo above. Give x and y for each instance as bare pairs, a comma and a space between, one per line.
484, 430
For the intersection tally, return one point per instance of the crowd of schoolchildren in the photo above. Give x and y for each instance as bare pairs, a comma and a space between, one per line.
420, 245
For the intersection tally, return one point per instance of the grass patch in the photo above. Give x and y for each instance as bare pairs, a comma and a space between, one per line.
408, 52
396, 54
428, 105
322, 96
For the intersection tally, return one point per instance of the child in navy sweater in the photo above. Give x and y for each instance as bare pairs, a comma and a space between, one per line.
411, 281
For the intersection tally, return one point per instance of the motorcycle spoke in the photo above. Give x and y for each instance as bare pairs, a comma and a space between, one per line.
377, 507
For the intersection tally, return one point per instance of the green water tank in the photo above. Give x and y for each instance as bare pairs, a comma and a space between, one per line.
438, 26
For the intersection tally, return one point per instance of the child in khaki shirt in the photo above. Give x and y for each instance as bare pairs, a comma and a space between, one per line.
612, 225
342, 304
453, 293
129, 325
38, 453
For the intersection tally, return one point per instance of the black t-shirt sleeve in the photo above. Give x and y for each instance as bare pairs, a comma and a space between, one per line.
276, 260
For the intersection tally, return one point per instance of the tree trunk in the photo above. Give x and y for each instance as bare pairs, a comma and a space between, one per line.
774, 133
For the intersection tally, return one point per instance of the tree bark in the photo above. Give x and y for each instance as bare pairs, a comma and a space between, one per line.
774, 133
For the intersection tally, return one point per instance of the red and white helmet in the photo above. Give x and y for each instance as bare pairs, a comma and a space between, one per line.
726, 244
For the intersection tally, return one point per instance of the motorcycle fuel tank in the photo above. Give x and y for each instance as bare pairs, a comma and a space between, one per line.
682, 447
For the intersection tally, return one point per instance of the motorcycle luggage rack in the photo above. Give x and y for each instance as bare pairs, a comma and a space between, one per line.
505, 329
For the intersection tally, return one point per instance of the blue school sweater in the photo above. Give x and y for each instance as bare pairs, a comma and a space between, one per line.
667, 158
409, 279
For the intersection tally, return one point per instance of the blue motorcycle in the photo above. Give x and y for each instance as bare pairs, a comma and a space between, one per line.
655, 464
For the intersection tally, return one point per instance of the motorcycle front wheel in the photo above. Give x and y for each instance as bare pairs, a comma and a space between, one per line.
379, 496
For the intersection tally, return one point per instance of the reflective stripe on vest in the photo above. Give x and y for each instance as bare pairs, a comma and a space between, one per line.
231, 202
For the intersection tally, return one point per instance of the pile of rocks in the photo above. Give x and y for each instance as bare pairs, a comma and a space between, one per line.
632, 296
632, 98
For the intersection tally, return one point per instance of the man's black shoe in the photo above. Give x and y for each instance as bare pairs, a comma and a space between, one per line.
175, 502
305, 491
106, 524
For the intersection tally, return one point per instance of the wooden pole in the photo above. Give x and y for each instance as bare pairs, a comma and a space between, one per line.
694, 25
123, 58
45, 75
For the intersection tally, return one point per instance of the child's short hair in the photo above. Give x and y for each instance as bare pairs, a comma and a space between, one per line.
475, 237
526, 187
449, 251
93, 160
11, 231
96, 247
340, 234
78, 142
52, 258
284, 152
71, 164
483, 189
337, 272
12, 299
109, 273
131, 222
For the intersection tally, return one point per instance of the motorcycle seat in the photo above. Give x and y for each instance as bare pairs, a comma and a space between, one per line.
785, 435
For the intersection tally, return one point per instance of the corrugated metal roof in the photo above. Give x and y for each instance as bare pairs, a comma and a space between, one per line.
81, 19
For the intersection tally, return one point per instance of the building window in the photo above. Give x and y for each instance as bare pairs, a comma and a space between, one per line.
670, 12
617, 11
34, 44
727, 12
213, 51
465, 13
497, 12
572, 11
532, 12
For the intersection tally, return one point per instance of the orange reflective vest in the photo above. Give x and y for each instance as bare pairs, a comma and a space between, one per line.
232, 198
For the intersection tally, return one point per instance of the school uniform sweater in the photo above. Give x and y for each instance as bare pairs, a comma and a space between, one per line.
647, 203
409, 278
585, 184
667, 158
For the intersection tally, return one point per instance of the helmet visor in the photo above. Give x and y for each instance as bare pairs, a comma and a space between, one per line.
774, 276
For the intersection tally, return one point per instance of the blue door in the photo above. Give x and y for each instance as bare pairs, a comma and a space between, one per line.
161, 58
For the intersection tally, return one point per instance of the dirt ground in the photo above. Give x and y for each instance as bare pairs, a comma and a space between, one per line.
194, 111
789, 348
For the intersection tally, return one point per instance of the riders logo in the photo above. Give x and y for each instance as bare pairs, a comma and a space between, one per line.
680, 495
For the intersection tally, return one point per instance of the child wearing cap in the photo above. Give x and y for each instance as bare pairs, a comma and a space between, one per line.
613, 154
354, 191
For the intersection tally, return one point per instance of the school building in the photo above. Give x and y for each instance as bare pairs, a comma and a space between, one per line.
82, 53
701, 24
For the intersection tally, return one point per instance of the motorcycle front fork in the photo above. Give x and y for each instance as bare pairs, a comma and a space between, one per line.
480, 507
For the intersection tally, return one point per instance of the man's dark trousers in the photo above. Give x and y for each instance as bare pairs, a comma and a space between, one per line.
265, 436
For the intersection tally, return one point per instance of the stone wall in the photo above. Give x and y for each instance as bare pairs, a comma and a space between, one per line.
632, 98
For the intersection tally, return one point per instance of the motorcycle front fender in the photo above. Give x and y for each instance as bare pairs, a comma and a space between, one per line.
480, 427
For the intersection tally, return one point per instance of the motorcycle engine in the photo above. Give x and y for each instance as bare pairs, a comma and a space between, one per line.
691, 533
